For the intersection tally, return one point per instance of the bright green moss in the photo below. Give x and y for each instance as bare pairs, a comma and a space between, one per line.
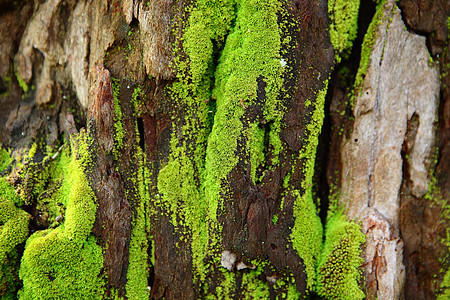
253, 287
445, 287
138, 269
179, 182
5, 159
306, 234
80, 199
55, 267
343, 24
8, 276
340, 261
275, 219
286, 289
251, 53
117, 117
366, 49
13, 231
66, 262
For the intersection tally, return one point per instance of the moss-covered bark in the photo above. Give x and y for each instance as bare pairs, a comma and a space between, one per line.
195, 173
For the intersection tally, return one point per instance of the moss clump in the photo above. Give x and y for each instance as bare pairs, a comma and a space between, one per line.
13, 231
66, 262
55, 267
343, 24
340, 261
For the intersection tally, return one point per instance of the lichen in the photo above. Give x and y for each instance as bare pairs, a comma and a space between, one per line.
66, 262
343, 24
340, 261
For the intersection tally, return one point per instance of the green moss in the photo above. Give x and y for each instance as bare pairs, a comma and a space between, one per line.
13, 231
366, 49
179, 182
119, 135
251, 53
5, 159
253, 287
445, 287
434, 196
340, 261
22, 83
306, 234
66, 262
275, 219
55, 267
138, 269
343, 24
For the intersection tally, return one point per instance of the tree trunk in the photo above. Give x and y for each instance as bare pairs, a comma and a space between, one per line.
224, 149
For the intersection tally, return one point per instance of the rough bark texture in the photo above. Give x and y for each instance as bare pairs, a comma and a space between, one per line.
202, 121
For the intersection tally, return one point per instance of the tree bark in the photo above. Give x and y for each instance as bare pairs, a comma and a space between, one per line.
224, 149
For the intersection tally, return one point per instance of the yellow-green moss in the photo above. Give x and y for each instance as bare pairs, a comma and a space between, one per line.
252, 52
253, 287
119, 134
445, 287
179, 182
13, 231
5, 159
66, 262
307, 232
343, 24
138, 269
434, 196
55, 267
366, 49
339, 268
22, 83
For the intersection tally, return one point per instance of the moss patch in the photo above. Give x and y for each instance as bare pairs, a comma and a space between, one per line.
343, 24
340, 261
13, 231
66, 262
5, 159
366, 49
307, 233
